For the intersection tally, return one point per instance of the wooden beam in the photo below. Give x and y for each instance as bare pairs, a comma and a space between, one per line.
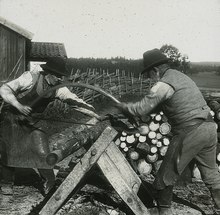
123, 167
79, 171
112, 173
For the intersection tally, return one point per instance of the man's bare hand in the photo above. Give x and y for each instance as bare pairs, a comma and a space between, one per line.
26, 110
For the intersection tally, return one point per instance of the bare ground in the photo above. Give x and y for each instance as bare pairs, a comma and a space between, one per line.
192, 199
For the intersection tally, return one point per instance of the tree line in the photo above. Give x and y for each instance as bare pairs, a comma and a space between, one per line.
135, 66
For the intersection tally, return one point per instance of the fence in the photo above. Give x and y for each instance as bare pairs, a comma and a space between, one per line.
117, 83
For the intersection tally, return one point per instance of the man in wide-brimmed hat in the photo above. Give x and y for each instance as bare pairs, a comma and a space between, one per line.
195, 135
24, 144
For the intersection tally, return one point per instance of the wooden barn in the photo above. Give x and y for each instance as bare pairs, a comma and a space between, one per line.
18, 50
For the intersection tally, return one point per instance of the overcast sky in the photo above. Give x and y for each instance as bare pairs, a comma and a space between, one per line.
127, 28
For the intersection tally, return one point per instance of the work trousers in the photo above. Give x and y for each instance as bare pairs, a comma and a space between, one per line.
197, 142
201, 144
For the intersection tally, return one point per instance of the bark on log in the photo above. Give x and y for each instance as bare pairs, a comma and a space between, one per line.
86, 136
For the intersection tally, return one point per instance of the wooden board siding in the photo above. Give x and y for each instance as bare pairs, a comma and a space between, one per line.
12, 54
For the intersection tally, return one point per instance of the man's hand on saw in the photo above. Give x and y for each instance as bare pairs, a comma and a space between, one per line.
123, 108
26, 110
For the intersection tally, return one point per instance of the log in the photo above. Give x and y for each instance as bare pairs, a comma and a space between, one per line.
144, 129
122, 138
133, 155
123, 145
143, 148
159, 144
154, 141
165, 128
144, 168
88, 135
159, 136
154, 126
158, 118
163, 150
153, 149
78, 173
124, 134
142, 139
166, 141
152, 135
130, 139
152, 158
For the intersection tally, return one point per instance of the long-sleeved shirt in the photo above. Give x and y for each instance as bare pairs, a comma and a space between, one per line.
25, 82
158, 93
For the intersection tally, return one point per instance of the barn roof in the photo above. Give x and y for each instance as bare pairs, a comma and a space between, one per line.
16, 28
41, 51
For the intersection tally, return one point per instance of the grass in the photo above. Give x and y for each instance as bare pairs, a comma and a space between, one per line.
206, 80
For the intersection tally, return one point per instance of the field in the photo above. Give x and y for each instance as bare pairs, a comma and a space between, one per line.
206, 80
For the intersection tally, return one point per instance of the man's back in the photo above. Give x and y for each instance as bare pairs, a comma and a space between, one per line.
187, 102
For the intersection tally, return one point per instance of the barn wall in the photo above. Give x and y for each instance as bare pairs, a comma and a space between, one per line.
12, 54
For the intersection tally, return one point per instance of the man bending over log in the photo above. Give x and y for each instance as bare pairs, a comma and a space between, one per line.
25, 144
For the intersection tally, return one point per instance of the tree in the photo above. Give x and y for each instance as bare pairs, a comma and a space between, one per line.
178, 60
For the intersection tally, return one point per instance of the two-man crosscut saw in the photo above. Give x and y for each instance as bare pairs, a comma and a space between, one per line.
68, 84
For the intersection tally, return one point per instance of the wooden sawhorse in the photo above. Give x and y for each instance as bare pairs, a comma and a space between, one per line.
114, 166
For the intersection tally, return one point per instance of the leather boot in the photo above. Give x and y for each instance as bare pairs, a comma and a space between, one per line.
164, 200
7, 182
216, 197
49, 179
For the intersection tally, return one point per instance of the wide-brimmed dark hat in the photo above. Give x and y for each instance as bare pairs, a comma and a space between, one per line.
56, 66
153, 58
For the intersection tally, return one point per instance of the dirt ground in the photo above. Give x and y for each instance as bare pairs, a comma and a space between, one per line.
98, 199
94, 198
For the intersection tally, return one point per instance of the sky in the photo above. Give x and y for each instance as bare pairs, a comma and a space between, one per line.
125, 28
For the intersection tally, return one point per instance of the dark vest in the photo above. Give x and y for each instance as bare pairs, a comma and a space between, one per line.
23, 144
187, 102
40, 85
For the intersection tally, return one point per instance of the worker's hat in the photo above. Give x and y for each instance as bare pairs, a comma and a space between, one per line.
153, 58
56, 66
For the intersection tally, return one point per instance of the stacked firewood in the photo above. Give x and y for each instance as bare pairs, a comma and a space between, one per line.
146, 148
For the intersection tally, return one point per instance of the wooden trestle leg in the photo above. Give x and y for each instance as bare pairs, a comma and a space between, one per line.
114, 166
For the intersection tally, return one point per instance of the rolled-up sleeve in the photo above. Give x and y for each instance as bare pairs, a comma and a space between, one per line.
158, 93
22, 83
64, 93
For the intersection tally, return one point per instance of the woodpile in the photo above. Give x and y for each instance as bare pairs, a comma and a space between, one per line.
146, 148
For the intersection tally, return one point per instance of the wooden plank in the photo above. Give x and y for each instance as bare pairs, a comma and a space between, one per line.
124, 167
79, 171
16, 28
120, 185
